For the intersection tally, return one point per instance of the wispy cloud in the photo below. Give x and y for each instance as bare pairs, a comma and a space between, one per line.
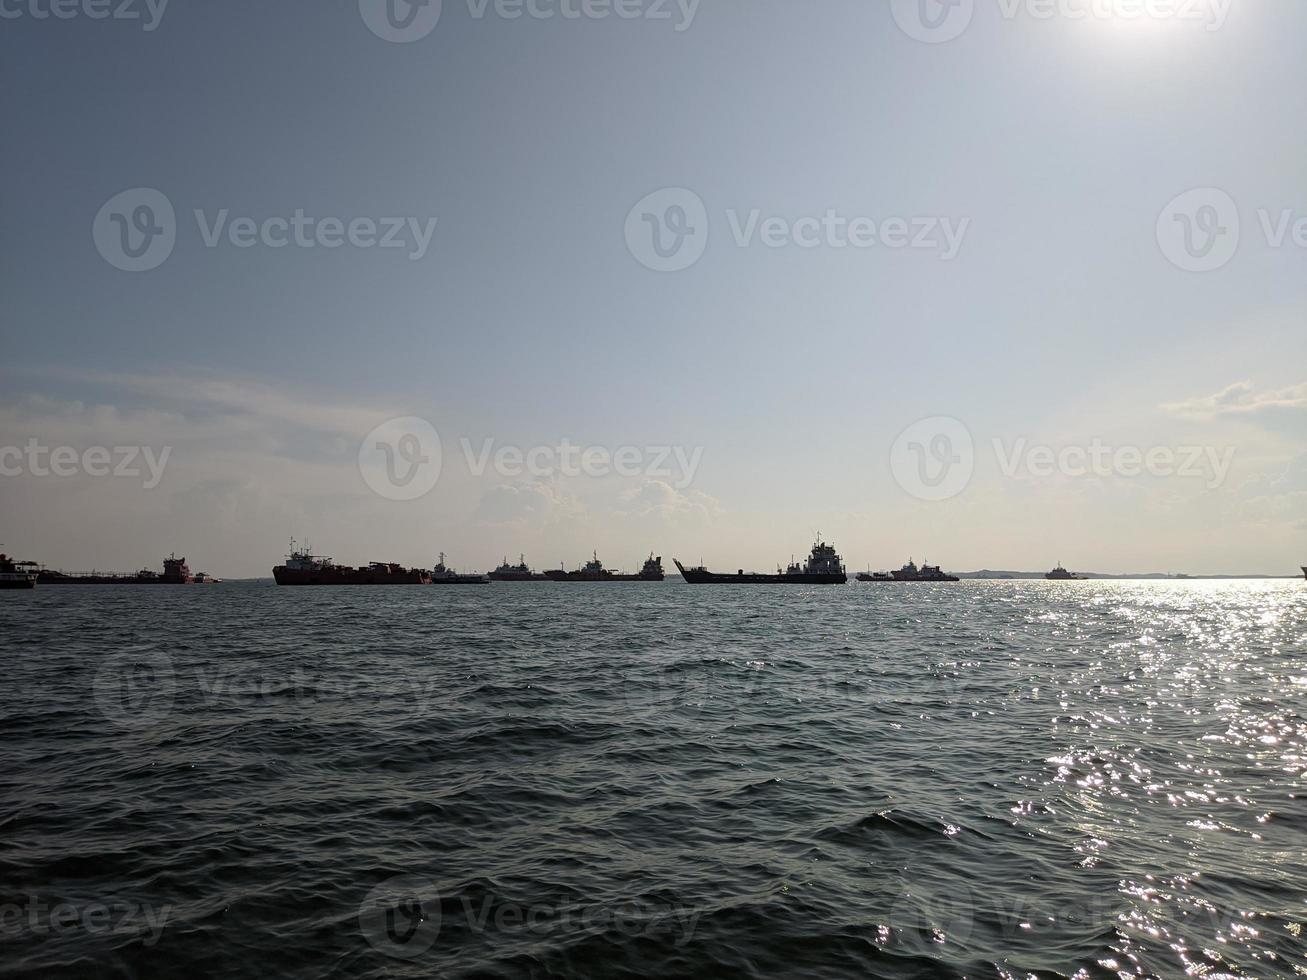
1243, 400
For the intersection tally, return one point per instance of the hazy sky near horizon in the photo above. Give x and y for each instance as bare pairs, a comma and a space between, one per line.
1035, 248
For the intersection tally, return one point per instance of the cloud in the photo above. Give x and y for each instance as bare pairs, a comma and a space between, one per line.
657, 499
536, 503
1243, 400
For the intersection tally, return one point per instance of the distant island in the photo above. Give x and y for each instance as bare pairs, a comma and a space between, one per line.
987, 573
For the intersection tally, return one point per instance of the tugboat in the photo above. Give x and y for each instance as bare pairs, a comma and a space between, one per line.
305, 568
17, 574
175, 572
441, 575
910, 573
520, 572
1060, 574
823, 567
594, 571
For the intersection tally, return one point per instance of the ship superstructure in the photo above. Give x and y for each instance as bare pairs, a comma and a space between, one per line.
17, 574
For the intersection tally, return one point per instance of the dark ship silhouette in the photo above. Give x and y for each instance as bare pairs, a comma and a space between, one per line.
302, 567
823, 567
909, 573
520, 572
175, 572
594, 571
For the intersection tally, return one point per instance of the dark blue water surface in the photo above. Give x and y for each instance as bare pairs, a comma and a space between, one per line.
1004, 779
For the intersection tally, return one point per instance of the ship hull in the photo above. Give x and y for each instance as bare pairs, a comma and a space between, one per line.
17, 581
588, 577
460, 580
291, 576
763, 578
46, 579
517, 577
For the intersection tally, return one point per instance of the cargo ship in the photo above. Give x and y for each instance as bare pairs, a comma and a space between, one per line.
909, 573
440, 575
823, 567
305, 568
175, 572
520, 572
594, 571
1060, 574
17, 574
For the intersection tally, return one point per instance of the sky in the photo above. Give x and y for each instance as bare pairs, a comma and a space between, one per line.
991, 283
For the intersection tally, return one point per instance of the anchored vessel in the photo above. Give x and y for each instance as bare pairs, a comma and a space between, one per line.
909, 573
17, 574
441, 575
1060, 574
516, 573
1304, 570
594, 571
175, 572
823, 567
305, 568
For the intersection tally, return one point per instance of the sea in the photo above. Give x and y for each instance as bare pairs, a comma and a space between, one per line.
1012, 779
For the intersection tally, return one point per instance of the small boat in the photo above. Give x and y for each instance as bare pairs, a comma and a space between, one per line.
17, 574
1060, 574
442, 575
